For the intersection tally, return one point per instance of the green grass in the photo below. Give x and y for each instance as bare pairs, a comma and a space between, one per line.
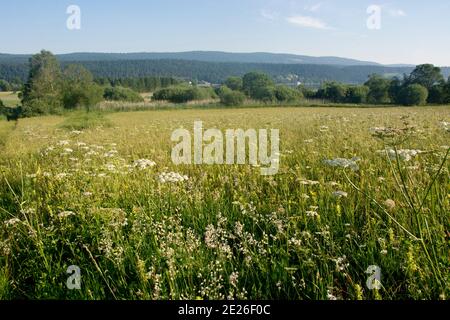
227, 232
81, 120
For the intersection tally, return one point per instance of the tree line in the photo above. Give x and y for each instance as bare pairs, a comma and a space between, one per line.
50, 88
425, 85
213, 72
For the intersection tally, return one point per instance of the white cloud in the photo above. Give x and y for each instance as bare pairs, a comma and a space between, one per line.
397, 13
314, 7
269, 15
308, 22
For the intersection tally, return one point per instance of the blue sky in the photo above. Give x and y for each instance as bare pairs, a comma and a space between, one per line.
412, 31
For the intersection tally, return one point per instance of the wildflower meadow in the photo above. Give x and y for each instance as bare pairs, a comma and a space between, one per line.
358, 209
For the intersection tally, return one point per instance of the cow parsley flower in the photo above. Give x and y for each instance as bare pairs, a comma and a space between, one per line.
142, 164
340, 194
403, 154
172, 177
65, 214
344, 163
12, 222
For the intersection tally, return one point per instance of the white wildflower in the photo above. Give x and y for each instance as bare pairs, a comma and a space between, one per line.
65, 214
344, 163
341, 263
309, 182
12, 222
172, 177
403, 154
143, 164
340, 194
63, 142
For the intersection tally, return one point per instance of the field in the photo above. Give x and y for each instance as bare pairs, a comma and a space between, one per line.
91, 190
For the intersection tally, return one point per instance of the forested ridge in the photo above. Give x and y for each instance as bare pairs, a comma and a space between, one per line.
215, 72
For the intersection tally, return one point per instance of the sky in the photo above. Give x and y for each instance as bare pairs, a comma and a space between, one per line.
384, 31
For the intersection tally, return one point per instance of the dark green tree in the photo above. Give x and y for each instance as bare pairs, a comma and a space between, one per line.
42, 91
414, 95
378, 89
286, 94
234, 83
230, 97
255, 85
79, 89
356, 94
426, 75
4, 85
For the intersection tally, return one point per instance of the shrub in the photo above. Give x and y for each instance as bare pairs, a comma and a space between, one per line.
229, 97
234, 83
256, 84
286, 94
414, 95
265, 94
121, 94
357, 94
183, 94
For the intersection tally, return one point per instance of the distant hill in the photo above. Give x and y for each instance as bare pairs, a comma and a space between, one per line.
207, 56
214, 66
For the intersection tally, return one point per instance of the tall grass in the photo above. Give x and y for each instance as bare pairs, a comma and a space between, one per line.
82, 198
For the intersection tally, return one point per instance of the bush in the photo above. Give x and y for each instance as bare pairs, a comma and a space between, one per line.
286, 94
265, 94
122, 94
256, 84
229, 97
436, 95
82, 97
5, 86
79, 89
357, 94
183, 94
306, 92
234, 83
332, 91
414, 95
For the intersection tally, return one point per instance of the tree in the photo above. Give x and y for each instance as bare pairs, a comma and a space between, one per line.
426, 75
122, 94
378, 89
286, 94
332, 91
230, 97
79, 89
255, 84
357, 94
306, 92
42, 92
446, 92
414, 95
436, 94
4, 85
265, 94
234, 83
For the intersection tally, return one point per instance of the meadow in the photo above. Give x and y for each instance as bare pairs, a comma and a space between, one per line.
357, 187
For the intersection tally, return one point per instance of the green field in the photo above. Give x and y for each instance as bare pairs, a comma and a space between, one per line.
78, 197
